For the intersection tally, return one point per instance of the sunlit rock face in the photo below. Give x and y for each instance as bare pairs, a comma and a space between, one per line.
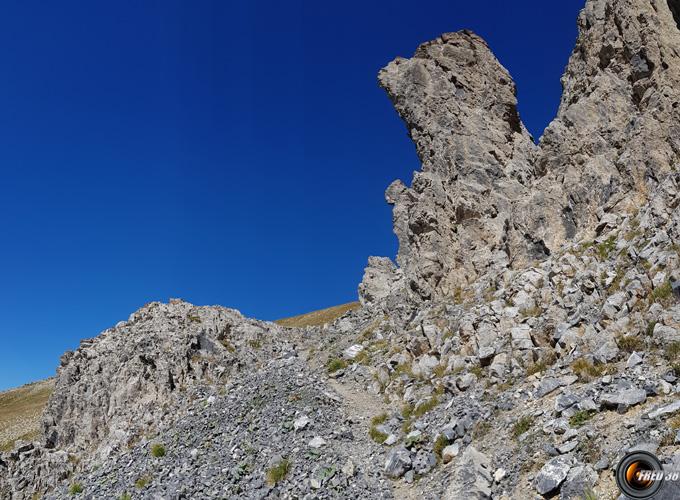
486, 199
460, 107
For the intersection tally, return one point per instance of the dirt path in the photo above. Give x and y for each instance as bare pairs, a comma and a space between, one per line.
362, 406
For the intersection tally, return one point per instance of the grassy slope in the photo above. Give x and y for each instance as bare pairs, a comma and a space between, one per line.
20, 412
318, 318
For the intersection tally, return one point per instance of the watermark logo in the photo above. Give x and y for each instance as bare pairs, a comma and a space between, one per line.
640, 475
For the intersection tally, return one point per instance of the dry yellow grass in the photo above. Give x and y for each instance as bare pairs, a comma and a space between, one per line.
318, 318
21, 410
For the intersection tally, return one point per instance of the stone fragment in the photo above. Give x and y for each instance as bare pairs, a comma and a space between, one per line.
634, 360
301, 422
552, 474
398, 462
624, 398
450, 452
317, 442
424, 462
353, 351
665, 410
579, 481
471, 478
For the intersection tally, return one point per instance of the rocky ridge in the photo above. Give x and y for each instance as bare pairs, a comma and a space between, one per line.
528, 338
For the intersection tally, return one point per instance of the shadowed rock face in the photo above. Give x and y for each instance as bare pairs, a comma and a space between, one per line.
487, 199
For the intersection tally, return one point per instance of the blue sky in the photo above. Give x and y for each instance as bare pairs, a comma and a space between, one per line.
225, 152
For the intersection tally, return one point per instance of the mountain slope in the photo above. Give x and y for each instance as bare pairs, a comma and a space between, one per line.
528, 339
20, 412
318, 318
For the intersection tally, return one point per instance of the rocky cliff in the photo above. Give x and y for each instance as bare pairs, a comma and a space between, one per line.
527, 337
487, 199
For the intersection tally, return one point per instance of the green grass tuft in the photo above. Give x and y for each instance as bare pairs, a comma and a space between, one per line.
650, 328
439, 444
579, 418
142, 482
278, 472
585, 370
607, 247
379, 419
630, 343
376, 435
158, 451
75, 489
336, 364
426, 406
522, 426
672, 351
662, 294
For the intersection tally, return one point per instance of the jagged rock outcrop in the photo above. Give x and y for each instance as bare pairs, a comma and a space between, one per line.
115, 387
486, 198
617, 132
460, 107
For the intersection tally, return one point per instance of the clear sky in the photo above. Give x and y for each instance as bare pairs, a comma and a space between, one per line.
225, 152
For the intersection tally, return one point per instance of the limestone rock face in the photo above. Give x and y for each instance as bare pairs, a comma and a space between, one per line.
486, 199
459, 105
617, 131
380, 278
116, 386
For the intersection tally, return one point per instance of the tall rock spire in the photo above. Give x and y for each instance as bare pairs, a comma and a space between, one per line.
460, 108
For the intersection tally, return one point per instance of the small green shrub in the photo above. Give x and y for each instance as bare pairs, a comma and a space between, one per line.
407, 411
75, 489
336, 364
579, 418
589, 495
194, 319
158, 451
278, 472
522, 426
126, 496
404, 369
375, 434
228, 345
363, 358
440, 371
674, 423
